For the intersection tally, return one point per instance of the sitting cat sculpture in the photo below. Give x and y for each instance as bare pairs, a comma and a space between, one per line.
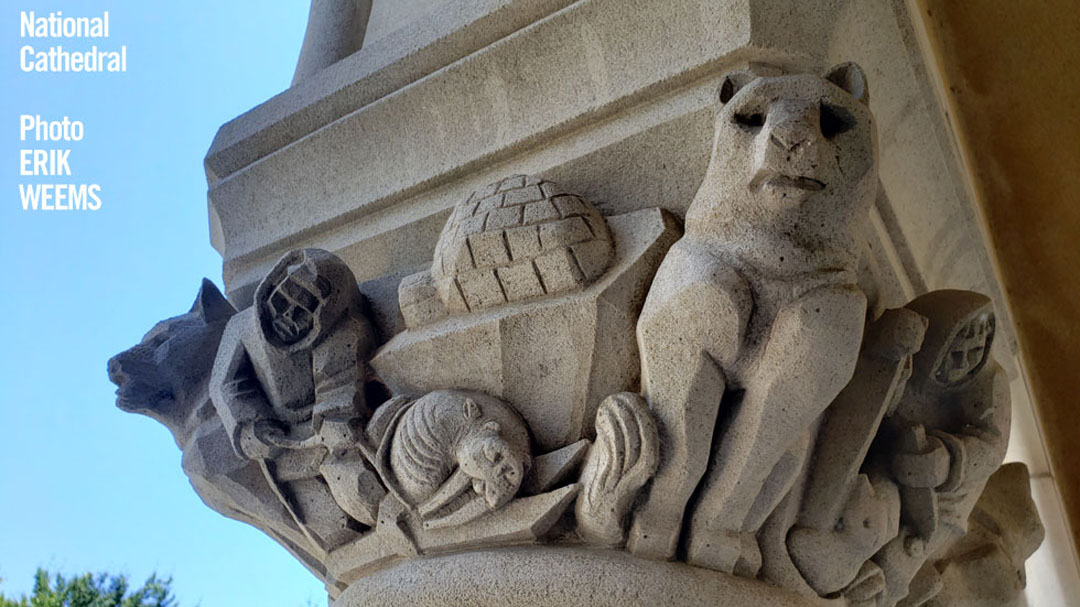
757, 305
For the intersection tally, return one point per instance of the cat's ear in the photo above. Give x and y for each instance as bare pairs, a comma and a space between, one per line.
210, 304
732, 83
851, 78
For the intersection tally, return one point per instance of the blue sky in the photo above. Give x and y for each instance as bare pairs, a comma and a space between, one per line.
84, 486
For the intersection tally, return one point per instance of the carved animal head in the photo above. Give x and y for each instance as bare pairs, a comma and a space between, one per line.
165, 375
495, 467
794, 152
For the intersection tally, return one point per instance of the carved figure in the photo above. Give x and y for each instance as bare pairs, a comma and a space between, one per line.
166, 377
756, 305
947, 436
517, 239
450, 439
460, 474
288, 384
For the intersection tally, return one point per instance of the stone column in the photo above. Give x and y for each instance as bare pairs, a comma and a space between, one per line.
606, 302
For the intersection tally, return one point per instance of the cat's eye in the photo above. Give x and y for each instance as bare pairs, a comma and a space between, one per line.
835, 120
749, 120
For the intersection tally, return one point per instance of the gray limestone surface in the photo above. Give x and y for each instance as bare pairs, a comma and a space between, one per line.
560, 576
548, 396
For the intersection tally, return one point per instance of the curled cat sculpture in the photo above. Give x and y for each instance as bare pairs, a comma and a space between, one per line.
476, 439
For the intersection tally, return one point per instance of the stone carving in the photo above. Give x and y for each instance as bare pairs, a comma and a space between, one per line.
825, 545
985, 566
166, 377
517, 239
946, 437
288, 383
621, 461
455, 463
748, 303
160, 377
554, 358
478, 440
620, 388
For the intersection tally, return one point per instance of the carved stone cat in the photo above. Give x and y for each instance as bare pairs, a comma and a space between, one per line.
165, 377
447, 432
757, 305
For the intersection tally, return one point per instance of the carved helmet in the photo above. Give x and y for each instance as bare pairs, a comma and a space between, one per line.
304, 295
958, 338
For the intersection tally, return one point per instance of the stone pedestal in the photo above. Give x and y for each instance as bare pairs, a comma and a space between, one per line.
556, 577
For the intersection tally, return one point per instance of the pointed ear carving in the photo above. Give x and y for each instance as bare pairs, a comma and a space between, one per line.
470, 409
851, 78
732, 83
211, 304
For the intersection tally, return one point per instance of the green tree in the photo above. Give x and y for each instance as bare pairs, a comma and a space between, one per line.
88, 590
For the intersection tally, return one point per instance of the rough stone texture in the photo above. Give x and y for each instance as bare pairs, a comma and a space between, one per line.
166, 377
876, 502
634, 132
447, 431
814, 456
517, 239
556, 358
458, 473
986, 565
762, 284
947, 435
621, 461
572, 576
484, 90
288, 385
388, 16
799, 450
828, 553
335, 30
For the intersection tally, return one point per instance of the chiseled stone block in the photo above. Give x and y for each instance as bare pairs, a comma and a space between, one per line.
488, 249
524, 242
559, 270
539, 212
481, 289
592, 257
507, 217
520, 281
564, 233
557, 325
